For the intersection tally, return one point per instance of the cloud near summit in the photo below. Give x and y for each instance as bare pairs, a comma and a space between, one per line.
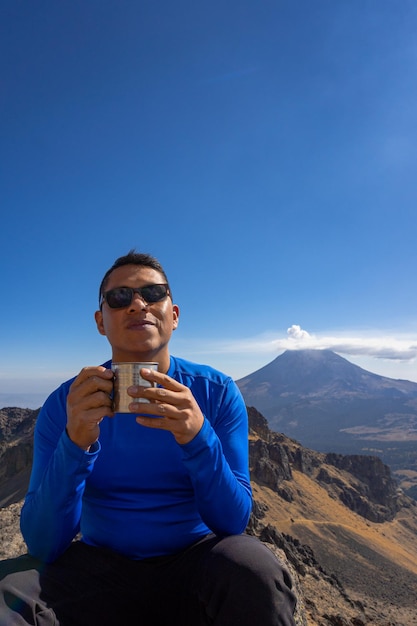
398, 347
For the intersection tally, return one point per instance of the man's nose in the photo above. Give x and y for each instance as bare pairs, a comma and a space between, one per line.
138, 302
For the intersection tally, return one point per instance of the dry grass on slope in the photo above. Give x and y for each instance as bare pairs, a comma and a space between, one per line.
375, 563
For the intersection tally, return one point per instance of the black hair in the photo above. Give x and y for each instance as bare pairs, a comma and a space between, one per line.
133, 258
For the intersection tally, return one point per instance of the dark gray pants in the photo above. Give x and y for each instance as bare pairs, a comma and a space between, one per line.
227, 581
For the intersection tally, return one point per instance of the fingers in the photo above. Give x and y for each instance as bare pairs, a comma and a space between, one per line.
171, 407
184, 427
88, 401
91, 377
161, 379
169, 390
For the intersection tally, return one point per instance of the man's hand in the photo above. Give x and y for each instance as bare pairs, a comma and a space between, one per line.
173, 405
88, 401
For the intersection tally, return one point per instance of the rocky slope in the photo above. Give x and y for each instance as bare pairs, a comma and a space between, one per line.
349, 532
346, 531
16, 445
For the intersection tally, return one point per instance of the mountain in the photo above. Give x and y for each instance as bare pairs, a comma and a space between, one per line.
16, 448
329, 404
346, 532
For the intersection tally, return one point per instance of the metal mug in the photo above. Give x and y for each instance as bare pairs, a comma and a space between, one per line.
125, 375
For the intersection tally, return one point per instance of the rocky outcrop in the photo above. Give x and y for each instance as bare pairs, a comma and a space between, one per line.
375, 494
15, 459
16, 424
363, 483
269, 464
16, 452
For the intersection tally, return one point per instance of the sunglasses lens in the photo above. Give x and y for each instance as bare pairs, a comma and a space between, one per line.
154, 293
119, 297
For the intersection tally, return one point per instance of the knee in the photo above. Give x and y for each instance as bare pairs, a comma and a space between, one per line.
245, 571
245, 556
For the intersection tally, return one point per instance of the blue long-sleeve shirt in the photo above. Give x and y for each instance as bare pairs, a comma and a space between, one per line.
137, 491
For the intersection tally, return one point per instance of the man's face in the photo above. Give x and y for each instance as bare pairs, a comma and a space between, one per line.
140, 331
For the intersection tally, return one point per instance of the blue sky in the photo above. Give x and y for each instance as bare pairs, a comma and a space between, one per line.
264, 150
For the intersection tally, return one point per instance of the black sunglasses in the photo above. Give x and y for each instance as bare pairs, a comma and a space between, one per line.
120, 297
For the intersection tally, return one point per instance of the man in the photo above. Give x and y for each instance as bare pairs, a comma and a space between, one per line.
160, 499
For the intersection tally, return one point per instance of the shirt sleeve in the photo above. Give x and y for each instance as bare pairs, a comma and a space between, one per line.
50, 516
217, 462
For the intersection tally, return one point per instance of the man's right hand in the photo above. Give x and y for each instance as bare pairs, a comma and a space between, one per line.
88, 401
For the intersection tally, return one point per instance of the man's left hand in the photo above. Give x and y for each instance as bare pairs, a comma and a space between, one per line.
172, 403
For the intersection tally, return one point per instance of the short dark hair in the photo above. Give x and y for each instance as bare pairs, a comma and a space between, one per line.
133, 258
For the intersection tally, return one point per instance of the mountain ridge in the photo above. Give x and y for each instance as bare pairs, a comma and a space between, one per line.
346, 531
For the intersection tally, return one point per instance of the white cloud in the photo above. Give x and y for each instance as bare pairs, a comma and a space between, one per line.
402, 348
378, 345
298, 334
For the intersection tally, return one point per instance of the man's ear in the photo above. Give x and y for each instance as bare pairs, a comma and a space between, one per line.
175, 316
98, 316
